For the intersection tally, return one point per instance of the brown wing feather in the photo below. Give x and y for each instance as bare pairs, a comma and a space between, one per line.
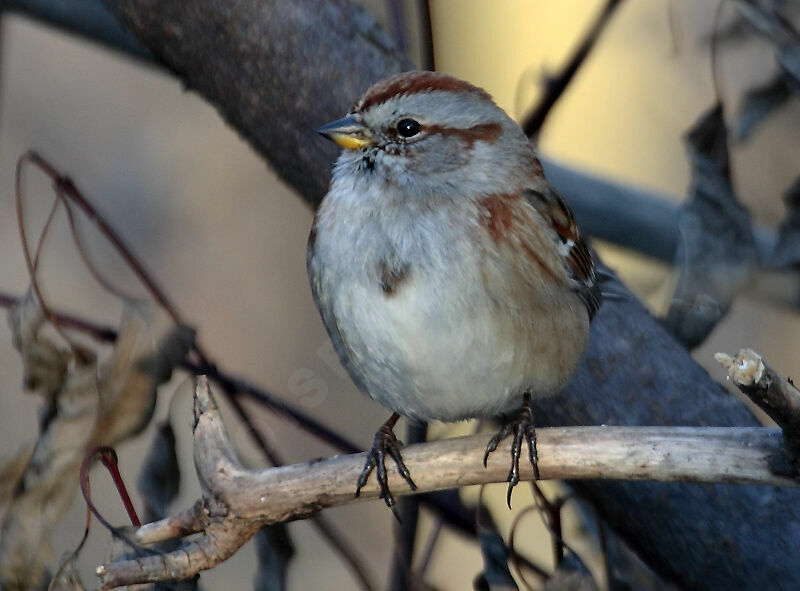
553, 208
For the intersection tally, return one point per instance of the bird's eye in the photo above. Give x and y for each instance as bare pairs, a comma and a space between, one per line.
408, 127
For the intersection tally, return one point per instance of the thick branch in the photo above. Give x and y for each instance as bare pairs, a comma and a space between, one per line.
237, 501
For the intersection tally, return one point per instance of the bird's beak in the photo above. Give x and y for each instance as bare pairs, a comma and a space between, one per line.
347, 132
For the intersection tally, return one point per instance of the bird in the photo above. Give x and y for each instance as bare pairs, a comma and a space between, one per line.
450, 275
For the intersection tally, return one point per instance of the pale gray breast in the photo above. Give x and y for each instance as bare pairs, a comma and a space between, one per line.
398, 297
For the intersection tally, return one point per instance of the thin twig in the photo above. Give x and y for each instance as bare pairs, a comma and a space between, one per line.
774, 394
109, 458
715, 70
512, 536
427, 61
406, 531
65, 184
31, 262
551, 516
398, 17
556, 85
430, 544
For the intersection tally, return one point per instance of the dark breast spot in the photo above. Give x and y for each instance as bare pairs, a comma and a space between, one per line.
392, 277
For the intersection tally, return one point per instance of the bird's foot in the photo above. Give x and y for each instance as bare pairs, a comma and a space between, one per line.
385, 442
522, 428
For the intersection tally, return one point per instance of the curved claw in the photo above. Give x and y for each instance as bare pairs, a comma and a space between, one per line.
369, 465
522, 427
385, 442
495, 441
394, 451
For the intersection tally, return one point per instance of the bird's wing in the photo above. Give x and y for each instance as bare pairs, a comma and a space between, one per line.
577, 258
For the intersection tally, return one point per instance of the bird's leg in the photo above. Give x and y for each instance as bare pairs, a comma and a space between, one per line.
522, 427
385, 442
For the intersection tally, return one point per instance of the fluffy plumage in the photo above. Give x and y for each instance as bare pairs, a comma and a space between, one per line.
450, 275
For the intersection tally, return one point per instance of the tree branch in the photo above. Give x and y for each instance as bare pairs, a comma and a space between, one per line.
773, 393
556, 85
237, 502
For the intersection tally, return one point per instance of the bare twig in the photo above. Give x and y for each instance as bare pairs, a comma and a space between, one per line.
773, 393
425, 35
237, 502
556, 85
108, 456
182, 524
399, 25
406, 531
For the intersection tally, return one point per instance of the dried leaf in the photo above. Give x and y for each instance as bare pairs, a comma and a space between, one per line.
760, 102
717, 250
787, 250
142, 360
496, 575
160, 478
11, 472
92, 403
44, 364
274, 549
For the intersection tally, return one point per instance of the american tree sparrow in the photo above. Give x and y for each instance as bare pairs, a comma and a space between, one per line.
450, 275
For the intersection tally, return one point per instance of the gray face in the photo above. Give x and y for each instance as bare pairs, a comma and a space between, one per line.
430, 142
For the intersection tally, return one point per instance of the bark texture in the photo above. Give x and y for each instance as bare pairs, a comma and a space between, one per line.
276, 70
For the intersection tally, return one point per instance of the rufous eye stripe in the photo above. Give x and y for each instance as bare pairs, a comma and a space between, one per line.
485, 132
408, 83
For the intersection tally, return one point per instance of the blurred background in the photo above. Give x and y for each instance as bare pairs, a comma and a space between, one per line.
226, 239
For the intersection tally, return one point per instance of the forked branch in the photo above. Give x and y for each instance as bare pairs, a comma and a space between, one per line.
237, 502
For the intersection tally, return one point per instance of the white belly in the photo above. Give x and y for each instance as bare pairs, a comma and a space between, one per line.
467, 329
439, 350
